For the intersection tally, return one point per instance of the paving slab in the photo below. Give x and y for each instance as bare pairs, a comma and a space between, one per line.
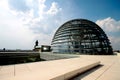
65, 69
47, 70
6, 71
109, 70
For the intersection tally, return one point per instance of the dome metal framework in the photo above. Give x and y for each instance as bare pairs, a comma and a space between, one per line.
81, 36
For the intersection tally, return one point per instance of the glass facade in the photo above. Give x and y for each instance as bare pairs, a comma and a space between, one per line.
81, 36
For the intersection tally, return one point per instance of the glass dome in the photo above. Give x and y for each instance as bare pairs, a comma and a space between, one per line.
81, 36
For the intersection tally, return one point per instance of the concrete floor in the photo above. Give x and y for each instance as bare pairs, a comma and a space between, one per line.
109, 69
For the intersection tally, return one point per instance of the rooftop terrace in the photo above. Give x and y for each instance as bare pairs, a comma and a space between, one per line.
65, 69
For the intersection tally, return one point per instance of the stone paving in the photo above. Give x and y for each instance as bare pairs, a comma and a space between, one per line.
109, 69
62, 69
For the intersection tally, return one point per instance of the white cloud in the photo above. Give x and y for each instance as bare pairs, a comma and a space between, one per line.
19, 5
109, 24
37, 18
41, 6
44, 22
44, 39
14, 35
4, 4
112, 29
12, 31
20, 28
115, 42
53, 9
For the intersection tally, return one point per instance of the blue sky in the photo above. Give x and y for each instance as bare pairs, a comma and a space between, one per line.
90, 9
22, 22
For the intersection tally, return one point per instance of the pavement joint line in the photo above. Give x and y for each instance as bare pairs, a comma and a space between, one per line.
14, 71
105, 70
28, 67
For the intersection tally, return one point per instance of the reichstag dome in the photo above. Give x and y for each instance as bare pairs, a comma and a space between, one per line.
81, 36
